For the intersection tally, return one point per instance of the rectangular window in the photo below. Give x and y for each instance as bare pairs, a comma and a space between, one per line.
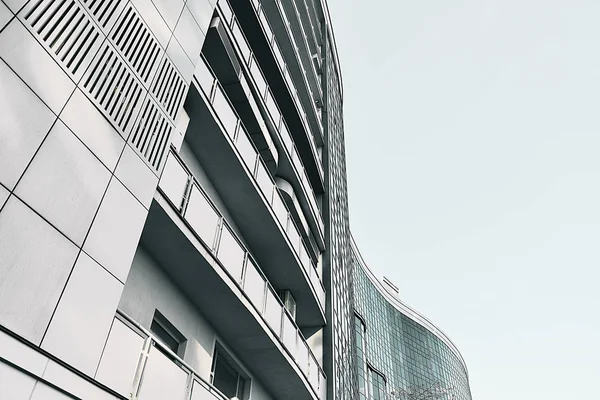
167, 334
227, 376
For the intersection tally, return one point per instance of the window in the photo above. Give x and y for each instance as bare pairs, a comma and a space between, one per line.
167, 334
377, 385
226, 375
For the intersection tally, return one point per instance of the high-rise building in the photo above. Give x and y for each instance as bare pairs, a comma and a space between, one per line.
173, 204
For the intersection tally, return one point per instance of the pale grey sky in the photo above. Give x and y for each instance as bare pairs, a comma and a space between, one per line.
473, 151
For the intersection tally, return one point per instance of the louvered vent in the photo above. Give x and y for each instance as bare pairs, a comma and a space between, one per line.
169, 87
151, 135
133, 38
66, 29
113, 87
103, 10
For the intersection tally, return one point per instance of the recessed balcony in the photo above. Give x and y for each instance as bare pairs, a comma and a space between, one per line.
220, 143
235, 66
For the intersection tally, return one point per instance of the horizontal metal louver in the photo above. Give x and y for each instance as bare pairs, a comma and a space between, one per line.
136, 43
66, 29
103, 10
169, 88
152, 133
113, 87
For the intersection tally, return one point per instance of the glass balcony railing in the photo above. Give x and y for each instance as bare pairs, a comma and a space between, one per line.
136, 365
273, 109
183, 191
243, 44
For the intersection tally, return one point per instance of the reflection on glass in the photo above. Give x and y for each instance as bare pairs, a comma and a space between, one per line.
204, 77
162, 378
280, 210
231, 254
303, 355
246, 150
225, 112
289, 334
202, 217
173, 180
254, 286
241, 41
261, 85
264, 182
273, 312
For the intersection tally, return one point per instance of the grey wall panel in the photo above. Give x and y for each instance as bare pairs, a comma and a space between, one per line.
116, 230
65, 183
35, 261
35, 66
14, 384
137, 176
189, 35
149, 289
74, 384
3, 195
93, 129
202, 11
154, 20
169, 10
15, 5
180, 59
45, 392
22, 355
82, 320
5, 15
20, 134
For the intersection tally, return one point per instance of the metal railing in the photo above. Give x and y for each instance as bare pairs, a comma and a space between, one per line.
234, 26
138, 366
266, 95
202, 216
251, 158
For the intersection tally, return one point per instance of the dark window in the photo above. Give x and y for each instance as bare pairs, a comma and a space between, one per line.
167, 334
226, 376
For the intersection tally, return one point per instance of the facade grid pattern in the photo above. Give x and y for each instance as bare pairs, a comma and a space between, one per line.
409, 355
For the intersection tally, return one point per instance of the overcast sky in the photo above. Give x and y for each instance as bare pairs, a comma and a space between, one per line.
473, 150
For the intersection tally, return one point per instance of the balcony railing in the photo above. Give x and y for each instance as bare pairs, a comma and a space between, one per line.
235, 130
242, 42
139, 367
202, 216
279, 122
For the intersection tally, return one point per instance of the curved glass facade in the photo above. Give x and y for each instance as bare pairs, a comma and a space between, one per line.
400, 349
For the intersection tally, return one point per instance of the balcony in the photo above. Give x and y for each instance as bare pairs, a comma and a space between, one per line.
137, 366
220, 143
283, 75
240, 71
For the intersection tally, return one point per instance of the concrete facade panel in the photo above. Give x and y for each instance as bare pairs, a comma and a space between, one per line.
14, 384
136, 176
189, 35
154, 20
3, 195
22, 355
202, 11
45, 392
35, 262
180, 59
5, 15
35, 66
93, 129
90, 298
74, 384
170, 10
20, 134
15, 5
65, 183
116, 230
